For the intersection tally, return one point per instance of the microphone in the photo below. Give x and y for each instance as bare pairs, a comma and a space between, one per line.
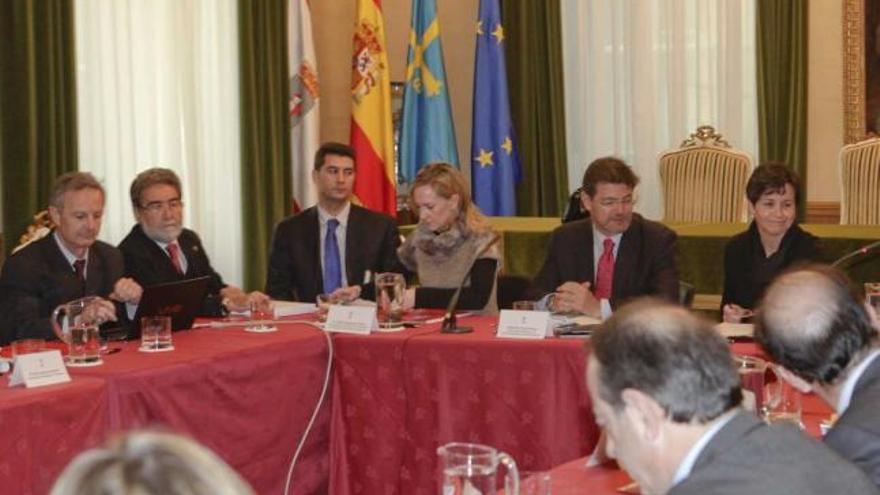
858, 252
450, 323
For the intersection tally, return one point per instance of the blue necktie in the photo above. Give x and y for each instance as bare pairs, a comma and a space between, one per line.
332, 266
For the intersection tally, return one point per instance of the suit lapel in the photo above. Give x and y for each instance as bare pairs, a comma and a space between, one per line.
871, 375
190, 249
352, 243
313, 249
159, 255
94, 272
627, 257
585, 264
58, 264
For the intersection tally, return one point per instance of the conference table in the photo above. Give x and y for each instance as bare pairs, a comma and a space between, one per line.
246, 396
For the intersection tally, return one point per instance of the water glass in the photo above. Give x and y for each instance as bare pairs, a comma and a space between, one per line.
782, 403
85, 344
27, 346
390, 292
151, 329
261, 315
324, 301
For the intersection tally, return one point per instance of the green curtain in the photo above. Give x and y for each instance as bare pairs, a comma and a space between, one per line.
782, 85
265, 130
533, 33
38, 101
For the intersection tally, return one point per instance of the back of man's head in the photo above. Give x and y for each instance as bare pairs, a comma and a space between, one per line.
813, 322
669, 354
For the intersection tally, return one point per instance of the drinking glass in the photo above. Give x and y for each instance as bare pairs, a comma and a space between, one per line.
782, 403
261, 316
390, 292
151, 328
534, 483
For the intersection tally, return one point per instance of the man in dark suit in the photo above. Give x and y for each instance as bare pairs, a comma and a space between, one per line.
335, 247
823, 335
159, 249
67, 264
663, 386
595, 264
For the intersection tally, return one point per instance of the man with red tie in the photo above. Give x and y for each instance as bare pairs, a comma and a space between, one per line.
67, 264
159, 249
595, 264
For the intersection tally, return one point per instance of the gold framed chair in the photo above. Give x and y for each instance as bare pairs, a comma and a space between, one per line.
860, 183
704, 180
40, 228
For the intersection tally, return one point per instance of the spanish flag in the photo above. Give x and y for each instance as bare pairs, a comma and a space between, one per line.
371, 129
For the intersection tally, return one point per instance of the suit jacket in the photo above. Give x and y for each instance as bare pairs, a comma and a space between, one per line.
749, 457
149, 264
744, 279
645, 263
295, 272
856, 434
35, 280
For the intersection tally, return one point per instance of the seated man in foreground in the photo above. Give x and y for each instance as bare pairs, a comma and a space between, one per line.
595, 264
824, 336
664, 387
159, 250
67, 264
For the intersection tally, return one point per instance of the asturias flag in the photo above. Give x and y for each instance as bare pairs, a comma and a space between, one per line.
495, 165
426, 133
304, 119
372, 135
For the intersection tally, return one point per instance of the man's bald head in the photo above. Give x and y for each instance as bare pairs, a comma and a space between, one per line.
813, 322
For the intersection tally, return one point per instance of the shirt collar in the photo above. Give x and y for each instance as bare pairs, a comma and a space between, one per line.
70, 257
599, 238
687, 464
849, 385
342, 216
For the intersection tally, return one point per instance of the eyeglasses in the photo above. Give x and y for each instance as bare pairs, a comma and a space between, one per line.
627, 201
158, 206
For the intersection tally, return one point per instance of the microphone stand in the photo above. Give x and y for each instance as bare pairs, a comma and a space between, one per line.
858, 252
450, 322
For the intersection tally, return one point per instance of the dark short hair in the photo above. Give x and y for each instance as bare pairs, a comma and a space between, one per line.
608, 169
149, 178
669, 354
72, 181
332, 148
813, 322
771, 177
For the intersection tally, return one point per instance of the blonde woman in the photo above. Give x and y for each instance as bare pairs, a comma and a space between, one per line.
452, 242
150, 463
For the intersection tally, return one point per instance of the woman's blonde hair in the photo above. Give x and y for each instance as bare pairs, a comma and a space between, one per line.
447, 181
150, 463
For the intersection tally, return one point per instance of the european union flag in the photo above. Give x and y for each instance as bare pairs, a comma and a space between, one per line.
426, 131
495, 168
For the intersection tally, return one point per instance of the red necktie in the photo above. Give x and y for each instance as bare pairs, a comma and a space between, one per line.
174, 251
605, 271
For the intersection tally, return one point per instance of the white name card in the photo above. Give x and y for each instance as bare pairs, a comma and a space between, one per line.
351, 319
524, 324
39, 369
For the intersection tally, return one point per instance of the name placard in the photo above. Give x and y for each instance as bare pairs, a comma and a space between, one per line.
524, 324
351, 319
39, 369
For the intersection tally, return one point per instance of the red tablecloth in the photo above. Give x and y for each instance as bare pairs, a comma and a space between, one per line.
397, 397
246, 396
42, 429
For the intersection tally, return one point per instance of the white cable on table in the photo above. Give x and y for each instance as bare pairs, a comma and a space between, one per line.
308, 429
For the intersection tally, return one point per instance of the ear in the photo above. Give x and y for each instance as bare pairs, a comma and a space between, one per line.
645, 414
315, 175
55, 215
456, 200
586, 202
795, 381
751, 209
